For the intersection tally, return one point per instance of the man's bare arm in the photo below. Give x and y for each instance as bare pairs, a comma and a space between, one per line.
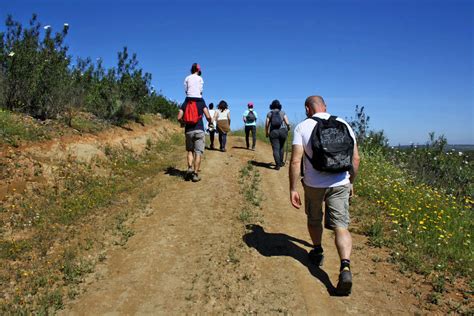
295, 167
208, 115
355, 164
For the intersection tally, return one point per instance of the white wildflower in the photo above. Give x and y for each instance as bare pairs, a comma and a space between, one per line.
11, 54
460, 153
47, 27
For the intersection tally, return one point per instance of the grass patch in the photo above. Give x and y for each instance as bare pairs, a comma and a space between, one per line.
48, 257
14, 129
249, 180
88, 125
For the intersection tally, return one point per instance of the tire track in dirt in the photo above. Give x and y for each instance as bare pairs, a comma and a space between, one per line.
192, 255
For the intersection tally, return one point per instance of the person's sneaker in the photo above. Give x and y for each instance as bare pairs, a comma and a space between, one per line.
316, 258
189, 174
253, 148
277, 167
196, 177
344, 285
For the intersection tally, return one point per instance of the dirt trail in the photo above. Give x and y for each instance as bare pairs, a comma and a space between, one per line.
193, 255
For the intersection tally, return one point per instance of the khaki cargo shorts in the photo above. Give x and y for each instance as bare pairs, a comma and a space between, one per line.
336, 200
195, 141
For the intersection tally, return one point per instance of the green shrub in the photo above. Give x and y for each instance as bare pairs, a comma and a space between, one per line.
37, 78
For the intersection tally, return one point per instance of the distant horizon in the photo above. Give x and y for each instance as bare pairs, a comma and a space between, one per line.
410, 64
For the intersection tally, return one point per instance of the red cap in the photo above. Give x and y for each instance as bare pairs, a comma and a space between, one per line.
250, 104
198, 67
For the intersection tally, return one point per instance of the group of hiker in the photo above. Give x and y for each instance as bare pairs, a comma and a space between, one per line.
324, 158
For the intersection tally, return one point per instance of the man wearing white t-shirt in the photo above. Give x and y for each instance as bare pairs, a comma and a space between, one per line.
331, 188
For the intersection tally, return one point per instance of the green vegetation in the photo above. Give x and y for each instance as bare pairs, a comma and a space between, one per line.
249, 180
13, 130
38, 78
59, 225
418, 201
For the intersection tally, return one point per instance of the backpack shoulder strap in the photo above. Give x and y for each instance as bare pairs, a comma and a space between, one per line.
318, 120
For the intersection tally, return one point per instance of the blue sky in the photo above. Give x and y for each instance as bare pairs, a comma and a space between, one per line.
410, 63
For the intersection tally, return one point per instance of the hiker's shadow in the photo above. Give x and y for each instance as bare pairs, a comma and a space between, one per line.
270, 244
240, 147
172, 171
267, 165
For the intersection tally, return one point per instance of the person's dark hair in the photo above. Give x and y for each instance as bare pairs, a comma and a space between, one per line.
275, 105
196, 68
222, 106
211, 106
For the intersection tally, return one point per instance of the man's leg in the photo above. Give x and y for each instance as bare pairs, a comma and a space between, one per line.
190, 159
343, 243
211, 136
316, 233
254, 136
313, 200
337, 218
199, 144
275, 141
247, 134
283, 136
197, 163
189, 155
220, 141
224, 140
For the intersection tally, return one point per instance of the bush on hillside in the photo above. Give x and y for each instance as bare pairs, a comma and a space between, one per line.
37, 78
35, 68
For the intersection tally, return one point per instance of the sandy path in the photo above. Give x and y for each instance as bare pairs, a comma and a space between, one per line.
192, 255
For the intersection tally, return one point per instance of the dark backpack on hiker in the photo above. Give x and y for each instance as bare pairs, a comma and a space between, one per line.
250, 118
275, 120
191, 115
332, 144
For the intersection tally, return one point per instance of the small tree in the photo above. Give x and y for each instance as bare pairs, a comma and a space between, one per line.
36, 69
360, 124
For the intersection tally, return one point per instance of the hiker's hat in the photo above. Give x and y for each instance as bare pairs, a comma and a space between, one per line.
250, 105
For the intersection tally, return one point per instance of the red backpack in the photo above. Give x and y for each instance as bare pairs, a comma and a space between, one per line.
191, 115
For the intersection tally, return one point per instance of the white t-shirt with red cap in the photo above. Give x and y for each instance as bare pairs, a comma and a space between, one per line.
193, 86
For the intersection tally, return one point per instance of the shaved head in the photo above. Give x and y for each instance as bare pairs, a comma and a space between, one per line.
316, 103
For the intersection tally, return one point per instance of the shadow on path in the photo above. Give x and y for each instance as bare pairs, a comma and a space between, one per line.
268, 165
172, 171
239, 147
212, 149
271, 244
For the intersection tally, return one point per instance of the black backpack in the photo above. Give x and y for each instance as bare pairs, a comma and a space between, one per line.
332, 144
250, 118
275, 120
